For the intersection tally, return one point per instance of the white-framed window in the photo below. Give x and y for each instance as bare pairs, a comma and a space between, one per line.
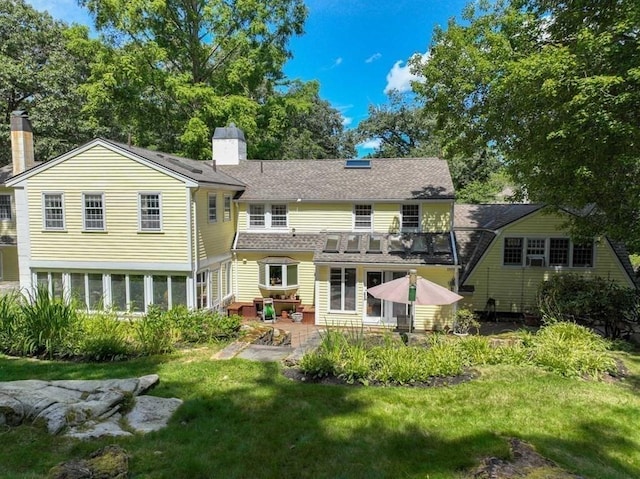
553, 252
150, 210
5, 208
363, 217
53, 211
582, 255
257, 217
202, 289
227, 208
262, 216
278, 275
119, 291
279, 216
213, 207
559, 251
410, 218
228, 287
342, 289
93, 211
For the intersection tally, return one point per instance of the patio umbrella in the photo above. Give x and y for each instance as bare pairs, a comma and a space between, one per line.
426, 292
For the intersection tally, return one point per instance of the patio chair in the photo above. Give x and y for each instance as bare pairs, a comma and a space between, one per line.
268, 310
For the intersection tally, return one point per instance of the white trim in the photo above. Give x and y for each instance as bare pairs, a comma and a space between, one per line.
18, 180
214, 260
192, 243
23, 238
99, 266
419, 228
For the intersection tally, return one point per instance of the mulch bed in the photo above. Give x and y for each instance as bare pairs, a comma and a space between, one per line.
295, 374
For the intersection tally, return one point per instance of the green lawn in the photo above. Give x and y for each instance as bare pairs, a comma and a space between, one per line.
246, 420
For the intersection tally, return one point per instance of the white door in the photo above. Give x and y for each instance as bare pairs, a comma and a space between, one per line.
377, 311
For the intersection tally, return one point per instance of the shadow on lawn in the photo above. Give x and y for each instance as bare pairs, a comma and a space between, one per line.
243, 419
276, 428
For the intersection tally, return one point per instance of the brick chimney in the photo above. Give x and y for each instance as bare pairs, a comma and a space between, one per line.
228, 145
21, 142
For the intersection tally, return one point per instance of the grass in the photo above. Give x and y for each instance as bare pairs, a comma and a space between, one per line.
243, 419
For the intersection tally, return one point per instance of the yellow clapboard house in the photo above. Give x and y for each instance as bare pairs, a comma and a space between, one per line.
117, 226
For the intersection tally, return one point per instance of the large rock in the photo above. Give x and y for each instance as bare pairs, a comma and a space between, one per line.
86, 409
151, 413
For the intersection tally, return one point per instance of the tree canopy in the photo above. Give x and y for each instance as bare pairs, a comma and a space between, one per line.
191, 65
40, 73
554, 87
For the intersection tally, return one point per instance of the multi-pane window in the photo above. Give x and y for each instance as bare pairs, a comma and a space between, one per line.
93, 211
213, 208
53, 208
362, 217
267, 216
150, 212
5, 207
257, 216
512, 251
202, 290
227, 207
342, 289
547, 251
411, 218
583, 255
559, 252
278, 275
278, 216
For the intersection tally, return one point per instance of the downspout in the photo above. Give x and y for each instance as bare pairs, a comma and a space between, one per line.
193, 244
235, 264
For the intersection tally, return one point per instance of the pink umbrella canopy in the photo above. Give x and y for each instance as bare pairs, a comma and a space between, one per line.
427, 292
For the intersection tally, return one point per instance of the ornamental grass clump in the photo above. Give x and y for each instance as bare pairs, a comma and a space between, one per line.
571, 350
105, 337
154, 332
9, 321
47, 326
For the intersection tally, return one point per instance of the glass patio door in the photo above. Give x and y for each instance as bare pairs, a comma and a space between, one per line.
381, 312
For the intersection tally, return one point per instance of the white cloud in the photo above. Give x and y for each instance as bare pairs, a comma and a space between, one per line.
373, 58
346, 120
337, 63
370, 144
400, 77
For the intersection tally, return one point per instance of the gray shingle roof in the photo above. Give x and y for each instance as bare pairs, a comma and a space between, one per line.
491, 216
277, 242
199, 171
393, 179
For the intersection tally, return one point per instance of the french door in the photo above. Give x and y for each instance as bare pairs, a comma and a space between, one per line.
378, 311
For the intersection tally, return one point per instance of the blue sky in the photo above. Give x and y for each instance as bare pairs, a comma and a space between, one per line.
356, 49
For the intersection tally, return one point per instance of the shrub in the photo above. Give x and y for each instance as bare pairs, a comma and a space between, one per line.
104, 337
571, 350
154, 332
597, 302
464, 321
9, 321
203, 326
47, 326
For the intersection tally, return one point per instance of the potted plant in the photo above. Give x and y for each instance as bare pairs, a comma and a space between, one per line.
295, 316
284, 313
465, 320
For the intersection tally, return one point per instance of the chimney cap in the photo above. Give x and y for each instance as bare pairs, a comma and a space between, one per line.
230, 132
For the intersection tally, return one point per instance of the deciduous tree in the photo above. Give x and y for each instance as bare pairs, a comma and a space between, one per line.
554, 87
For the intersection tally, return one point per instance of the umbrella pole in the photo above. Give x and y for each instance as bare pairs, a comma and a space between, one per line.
413, 313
